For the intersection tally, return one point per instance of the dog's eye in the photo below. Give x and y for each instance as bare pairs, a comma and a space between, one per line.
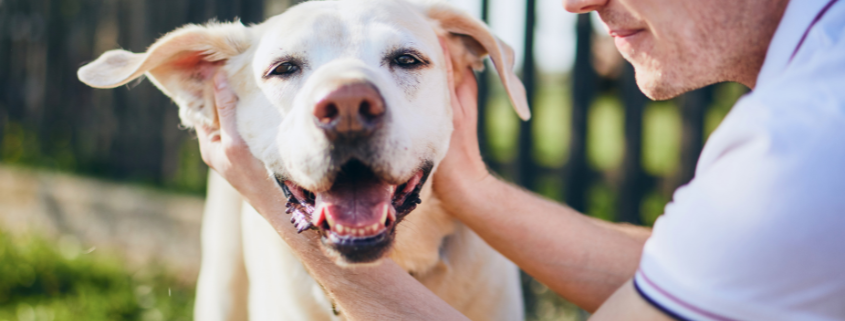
284, 69
406, 61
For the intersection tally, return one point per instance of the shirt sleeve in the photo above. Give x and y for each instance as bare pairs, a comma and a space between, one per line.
759, 233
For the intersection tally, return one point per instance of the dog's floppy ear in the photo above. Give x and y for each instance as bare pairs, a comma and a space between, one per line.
470, 40
181, 64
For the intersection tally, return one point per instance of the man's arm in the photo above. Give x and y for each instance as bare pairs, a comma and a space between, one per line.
627, 305
581, 258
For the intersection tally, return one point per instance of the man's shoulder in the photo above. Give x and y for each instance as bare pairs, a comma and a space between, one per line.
815, 72
804, 105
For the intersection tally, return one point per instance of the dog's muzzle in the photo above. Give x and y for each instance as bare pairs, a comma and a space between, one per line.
349, 111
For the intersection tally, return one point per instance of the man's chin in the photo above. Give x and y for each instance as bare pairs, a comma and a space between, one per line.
658, 88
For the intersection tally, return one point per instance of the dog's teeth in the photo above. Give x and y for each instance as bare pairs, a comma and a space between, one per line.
384, 214
329, 218
374, 227
340, 229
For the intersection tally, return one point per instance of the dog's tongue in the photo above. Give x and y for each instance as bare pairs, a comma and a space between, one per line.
357, 204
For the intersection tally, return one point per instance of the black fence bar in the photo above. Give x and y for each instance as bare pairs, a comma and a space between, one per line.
634, 182
577, 173
693, 107
525, 168
483, 94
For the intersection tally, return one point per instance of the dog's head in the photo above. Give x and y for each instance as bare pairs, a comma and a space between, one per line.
346, 103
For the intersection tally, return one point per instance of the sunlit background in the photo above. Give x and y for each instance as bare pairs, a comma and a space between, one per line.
101, 191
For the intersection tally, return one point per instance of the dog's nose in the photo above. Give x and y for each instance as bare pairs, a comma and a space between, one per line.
351, 110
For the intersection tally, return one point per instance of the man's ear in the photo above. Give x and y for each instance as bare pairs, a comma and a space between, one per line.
469, 40
181, 64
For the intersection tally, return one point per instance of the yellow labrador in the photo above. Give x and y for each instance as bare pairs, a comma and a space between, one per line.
347, 105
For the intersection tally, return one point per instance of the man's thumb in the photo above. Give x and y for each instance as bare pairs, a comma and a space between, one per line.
225, 101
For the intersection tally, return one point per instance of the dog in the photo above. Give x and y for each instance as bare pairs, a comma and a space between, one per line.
347, 105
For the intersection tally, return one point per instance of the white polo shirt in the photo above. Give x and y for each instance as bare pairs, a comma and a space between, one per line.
759, 233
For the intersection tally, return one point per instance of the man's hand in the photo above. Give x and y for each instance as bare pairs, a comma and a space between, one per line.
463, 166
225, 151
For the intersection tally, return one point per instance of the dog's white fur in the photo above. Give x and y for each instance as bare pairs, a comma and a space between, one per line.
333, 41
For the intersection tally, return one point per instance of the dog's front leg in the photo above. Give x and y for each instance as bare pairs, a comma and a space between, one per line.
222, 286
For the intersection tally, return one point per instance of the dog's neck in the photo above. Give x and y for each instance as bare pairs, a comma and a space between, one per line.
420, 236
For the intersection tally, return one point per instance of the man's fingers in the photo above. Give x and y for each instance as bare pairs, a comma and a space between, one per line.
207, 144
226, 102
450, 78
467, 91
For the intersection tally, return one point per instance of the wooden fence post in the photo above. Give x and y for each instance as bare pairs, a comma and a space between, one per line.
577, 173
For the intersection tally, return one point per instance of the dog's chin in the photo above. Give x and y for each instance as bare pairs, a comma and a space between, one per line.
350, 251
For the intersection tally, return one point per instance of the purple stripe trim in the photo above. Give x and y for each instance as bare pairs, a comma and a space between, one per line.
815, 20
657, 305
682, 303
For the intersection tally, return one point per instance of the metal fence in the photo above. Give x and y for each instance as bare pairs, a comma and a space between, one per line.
50, 119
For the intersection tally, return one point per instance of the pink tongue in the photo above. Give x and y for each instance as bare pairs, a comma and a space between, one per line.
356, 203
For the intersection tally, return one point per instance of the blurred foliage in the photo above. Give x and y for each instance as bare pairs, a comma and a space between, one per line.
605, 139
661, 138
606, 133
552, 112
548, 306
22, 146
191, 174
45, 281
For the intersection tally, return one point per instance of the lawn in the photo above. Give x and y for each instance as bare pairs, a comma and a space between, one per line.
45, 280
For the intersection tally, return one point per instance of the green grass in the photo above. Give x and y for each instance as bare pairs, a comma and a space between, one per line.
43, 281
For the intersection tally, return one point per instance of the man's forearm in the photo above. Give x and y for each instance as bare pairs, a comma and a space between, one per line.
581, 258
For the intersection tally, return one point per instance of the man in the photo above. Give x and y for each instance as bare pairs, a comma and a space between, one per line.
756, 235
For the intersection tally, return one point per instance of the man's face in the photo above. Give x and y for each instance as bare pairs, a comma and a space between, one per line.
681, 45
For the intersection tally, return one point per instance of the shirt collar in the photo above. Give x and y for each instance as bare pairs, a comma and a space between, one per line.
796, 19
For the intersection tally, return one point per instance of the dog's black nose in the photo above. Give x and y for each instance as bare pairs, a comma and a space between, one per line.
350, 110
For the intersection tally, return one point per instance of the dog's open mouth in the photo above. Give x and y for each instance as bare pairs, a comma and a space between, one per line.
358, 213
